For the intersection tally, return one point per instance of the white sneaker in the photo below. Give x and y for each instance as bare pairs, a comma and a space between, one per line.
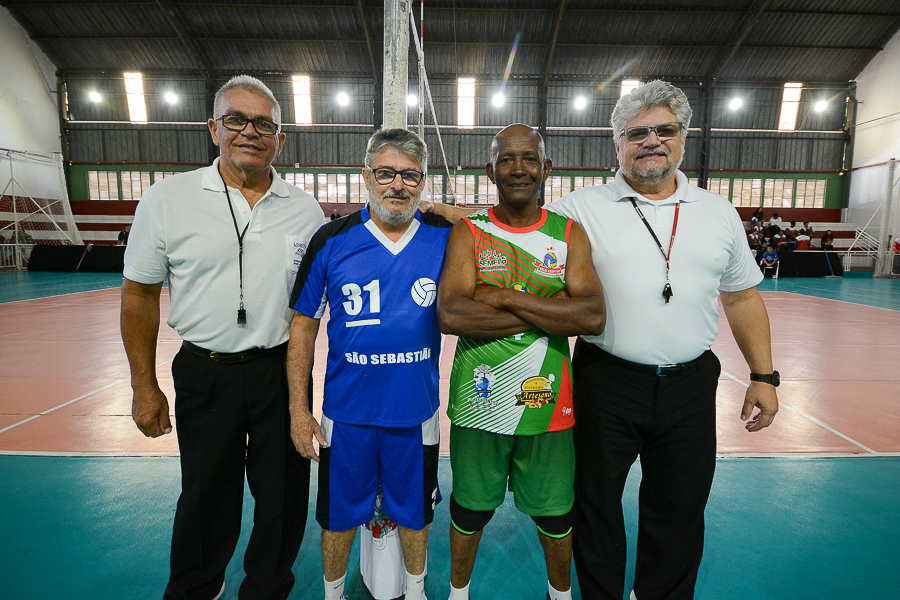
633, 597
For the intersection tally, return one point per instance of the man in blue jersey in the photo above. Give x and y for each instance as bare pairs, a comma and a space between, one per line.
377, 271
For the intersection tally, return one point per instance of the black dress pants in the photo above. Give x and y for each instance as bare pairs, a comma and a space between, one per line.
670, 422
231, 418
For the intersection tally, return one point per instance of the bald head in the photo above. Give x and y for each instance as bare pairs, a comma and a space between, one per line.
514, 130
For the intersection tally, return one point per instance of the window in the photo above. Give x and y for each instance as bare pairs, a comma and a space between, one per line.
134, 184
694, 181
779, 193
160, 175
464, 189
581, 182
302, 100
357, 188
556, 187
747, 192
103, 185
332, 187
134, 91
790, 103
487, 191
719, 186
810, 193
465, 102
304, 181
436, 188
628, 85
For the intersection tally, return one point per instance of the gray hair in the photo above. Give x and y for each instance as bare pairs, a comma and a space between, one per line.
250, 84
646, 97
405, 141
495, 145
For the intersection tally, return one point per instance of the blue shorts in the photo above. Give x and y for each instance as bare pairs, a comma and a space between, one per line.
403, 459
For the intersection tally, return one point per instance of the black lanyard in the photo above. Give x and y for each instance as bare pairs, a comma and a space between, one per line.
667, 290
241, 313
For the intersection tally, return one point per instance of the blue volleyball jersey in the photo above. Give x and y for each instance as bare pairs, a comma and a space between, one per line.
383, 334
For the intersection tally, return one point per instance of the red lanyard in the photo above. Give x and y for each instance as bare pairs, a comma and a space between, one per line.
667, 290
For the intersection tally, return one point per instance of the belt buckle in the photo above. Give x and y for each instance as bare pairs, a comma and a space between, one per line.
661, 370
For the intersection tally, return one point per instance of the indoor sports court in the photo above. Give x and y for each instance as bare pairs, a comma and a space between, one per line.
803, 509
794, 121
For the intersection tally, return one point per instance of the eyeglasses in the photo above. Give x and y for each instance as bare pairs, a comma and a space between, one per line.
664, 131
238, 122
386, 176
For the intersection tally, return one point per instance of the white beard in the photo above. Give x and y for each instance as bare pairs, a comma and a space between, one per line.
393, 218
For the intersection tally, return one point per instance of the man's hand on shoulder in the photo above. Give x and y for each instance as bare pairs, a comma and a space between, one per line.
150, 411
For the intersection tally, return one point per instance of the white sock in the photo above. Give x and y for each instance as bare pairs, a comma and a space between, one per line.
555, 594
459, 593
334, 590
415, 586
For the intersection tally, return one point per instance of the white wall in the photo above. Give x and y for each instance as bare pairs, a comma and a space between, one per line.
28, 109
874, 195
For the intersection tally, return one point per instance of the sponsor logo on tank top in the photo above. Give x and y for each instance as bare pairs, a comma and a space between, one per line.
490, 261
550, 266
483, 381
536, 391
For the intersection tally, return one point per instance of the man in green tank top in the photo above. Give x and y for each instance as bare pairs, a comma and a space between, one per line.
517, 281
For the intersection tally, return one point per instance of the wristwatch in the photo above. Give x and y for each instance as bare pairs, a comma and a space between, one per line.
772, 378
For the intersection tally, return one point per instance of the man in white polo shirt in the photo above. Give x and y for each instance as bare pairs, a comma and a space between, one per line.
647, 385
229, 239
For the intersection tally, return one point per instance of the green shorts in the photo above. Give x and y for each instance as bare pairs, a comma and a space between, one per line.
538, 469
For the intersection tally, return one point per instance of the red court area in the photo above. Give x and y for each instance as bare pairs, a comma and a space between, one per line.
64, 379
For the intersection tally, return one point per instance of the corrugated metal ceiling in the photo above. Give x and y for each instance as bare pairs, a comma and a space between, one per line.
825, 41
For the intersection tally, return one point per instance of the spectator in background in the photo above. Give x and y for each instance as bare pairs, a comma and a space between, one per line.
792, 229
828, 241
775, 221
754, 241
757, 216
769, 258
803, 241
335, 215
807, 229
123, 235
778, 239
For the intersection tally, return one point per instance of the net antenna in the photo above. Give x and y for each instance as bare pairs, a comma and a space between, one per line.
424, 90
26, 220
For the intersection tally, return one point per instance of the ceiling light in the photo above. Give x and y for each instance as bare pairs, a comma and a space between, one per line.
343, 99
580, 103
171, 97
735, 103
498, 100
411, 100
820, 106
95, 97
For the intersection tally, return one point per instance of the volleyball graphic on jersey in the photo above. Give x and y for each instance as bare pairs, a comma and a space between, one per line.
424, 292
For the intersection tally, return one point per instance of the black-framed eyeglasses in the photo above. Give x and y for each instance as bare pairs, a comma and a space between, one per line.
237, 122
664, 131
386, 176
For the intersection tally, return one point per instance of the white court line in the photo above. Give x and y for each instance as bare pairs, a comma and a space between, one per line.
88, 395
809, 418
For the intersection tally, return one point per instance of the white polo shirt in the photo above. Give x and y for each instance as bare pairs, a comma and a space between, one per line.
183, 230
710, 253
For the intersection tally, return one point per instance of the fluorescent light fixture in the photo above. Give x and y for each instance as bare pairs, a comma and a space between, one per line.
465, 102
342, 99
134, 92
303, 100
820, 106
790, 104
498, 99
581, 103
412, 100
170, 97
95, 96
628, 85
735, 103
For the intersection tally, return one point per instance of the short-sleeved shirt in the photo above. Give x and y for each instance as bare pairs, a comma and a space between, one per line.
710, 253
383, 334
183, 231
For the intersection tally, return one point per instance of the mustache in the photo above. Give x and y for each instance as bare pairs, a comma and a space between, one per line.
396, 194
652, 152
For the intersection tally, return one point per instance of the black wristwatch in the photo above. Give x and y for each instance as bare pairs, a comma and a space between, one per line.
773, 378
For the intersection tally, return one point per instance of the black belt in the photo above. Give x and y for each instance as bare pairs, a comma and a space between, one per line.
658, 370
230, 358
